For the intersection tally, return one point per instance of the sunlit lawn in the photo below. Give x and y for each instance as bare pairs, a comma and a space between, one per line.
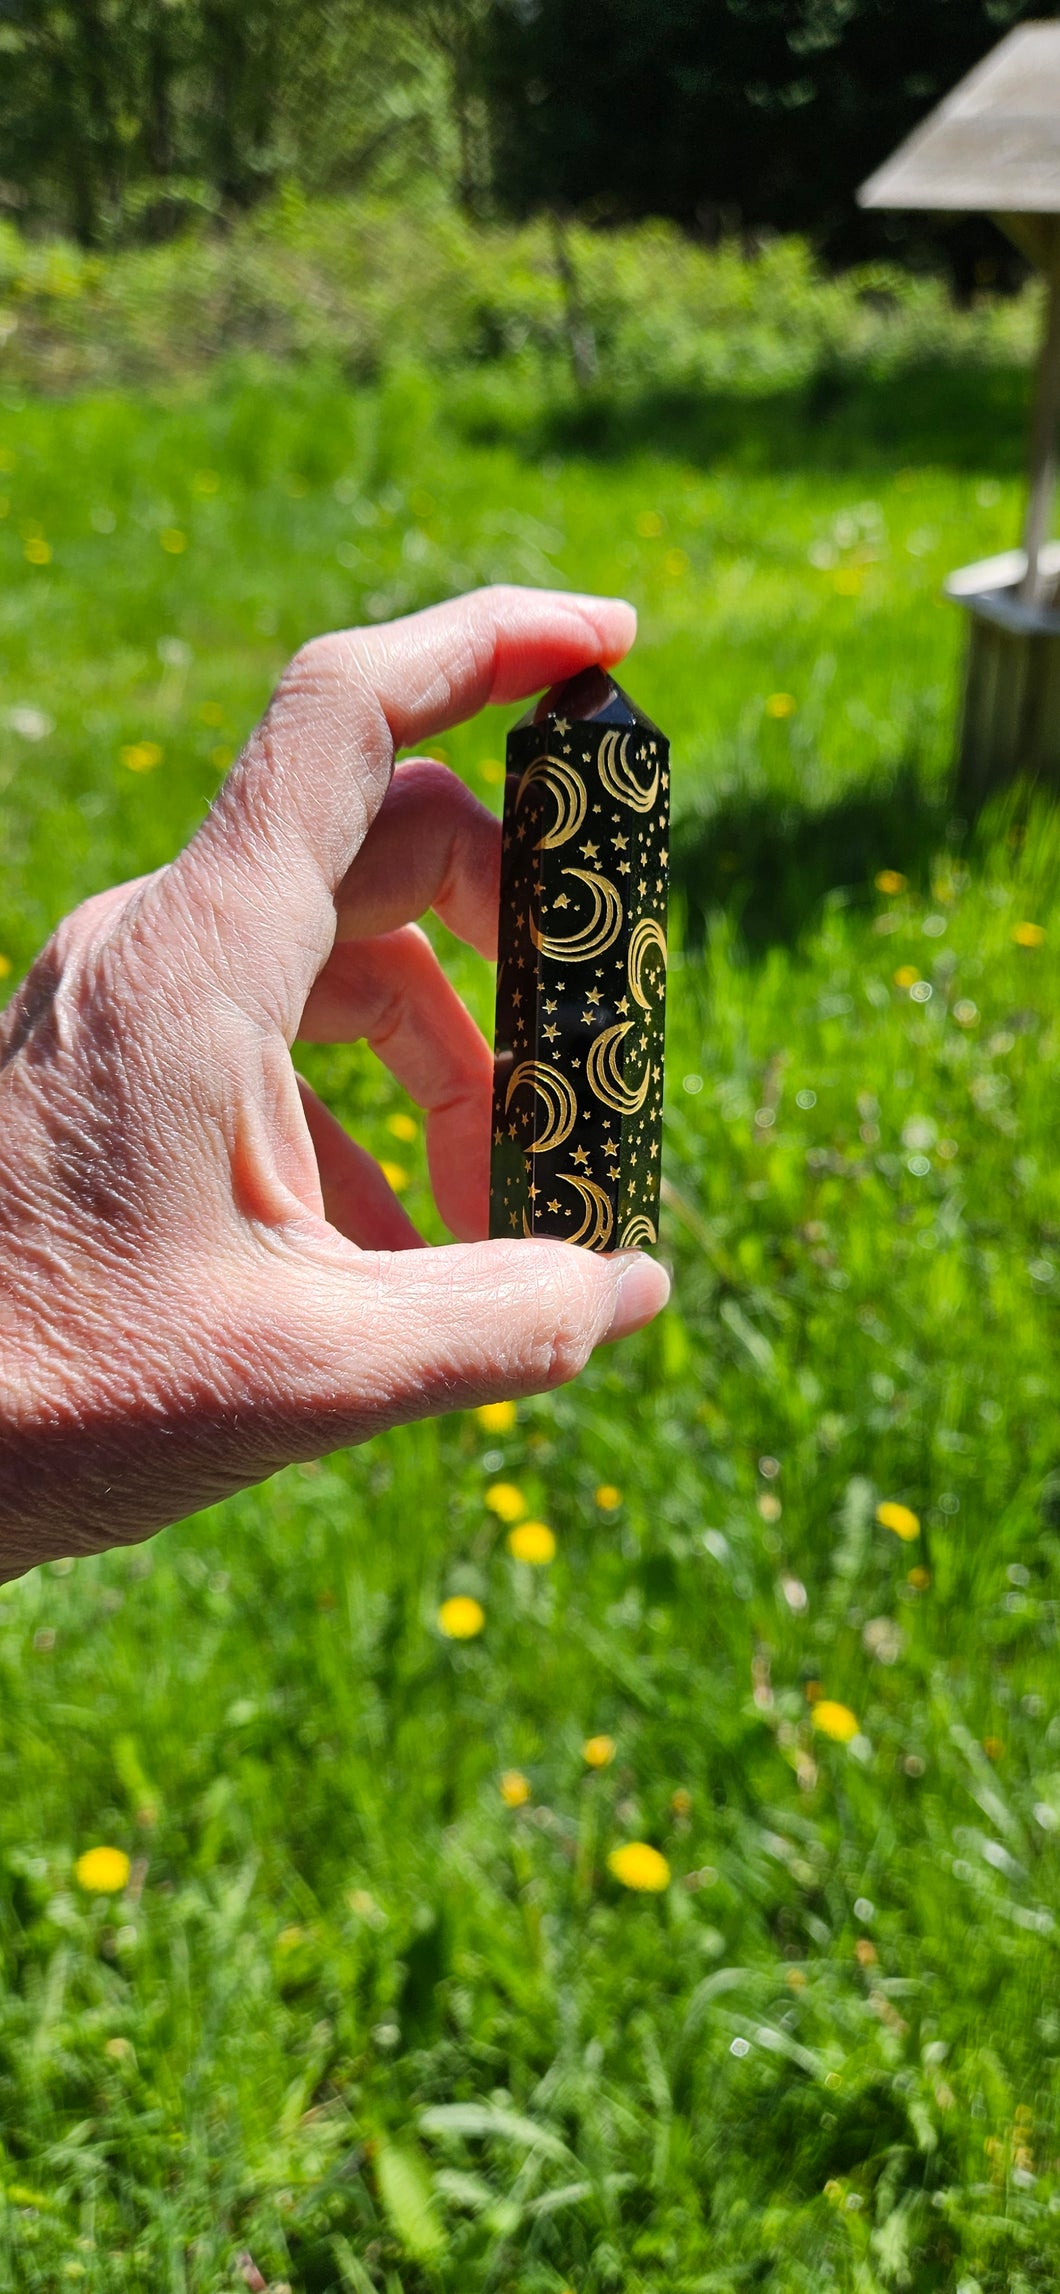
371, 2007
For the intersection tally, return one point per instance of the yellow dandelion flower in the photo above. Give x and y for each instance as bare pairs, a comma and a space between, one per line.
993, 1747
901, 1518
461, 1617
141, 756
640, 1867
491, 771
848, 580
403, 1127
781, 705
514, 1788
532, 1541
497, 1417
920, 1579
608, 1498
173, 541
1028, 935
36, 551
598, 1751
889, 880
681, 1802
906, 976
649, 524
836, 1721
5, 966
396, 1176
102, 1871
507, 1502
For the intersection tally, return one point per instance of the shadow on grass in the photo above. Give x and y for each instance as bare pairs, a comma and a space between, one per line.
770, 863
930, 412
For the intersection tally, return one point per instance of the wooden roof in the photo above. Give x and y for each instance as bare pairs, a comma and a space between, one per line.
993, 143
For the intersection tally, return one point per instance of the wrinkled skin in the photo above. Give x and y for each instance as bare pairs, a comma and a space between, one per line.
202, 1277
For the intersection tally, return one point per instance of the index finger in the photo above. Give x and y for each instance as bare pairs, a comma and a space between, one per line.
263, 869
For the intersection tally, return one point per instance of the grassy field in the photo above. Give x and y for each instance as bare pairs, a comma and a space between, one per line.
373, 2007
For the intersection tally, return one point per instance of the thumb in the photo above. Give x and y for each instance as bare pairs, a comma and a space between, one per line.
391, 1336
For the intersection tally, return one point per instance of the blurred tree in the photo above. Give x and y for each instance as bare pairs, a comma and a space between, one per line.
121, 116
731, 113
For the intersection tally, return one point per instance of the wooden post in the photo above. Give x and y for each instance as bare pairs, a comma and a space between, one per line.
1042, 463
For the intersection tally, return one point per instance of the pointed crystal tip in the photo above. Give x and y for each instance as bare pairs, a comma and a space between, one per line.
592, 697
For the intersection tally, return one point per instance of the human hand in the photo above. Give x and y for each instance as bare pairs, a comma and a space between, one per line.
202, 1277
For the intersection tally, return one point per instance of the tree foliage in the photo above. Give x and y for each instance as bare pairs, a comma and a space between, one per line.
725, 113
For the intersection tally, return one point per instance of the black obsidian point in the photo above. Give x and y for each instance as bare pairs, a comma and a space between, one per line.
581, 977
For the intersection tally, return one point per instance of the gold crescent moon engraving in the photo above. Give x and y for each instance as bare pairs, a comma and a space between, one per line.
595, 1229
556, 1095
592, 938
647, 934
567, 787
638, 1229
618, 776
602, 1073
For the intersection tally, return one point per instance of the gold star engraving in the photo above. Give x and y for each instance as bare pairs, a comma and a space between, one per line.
593, 996
587, 1019
588, 851
621, 841
623, 1007
511, 1130
497, 1137
550, 1008
623, 868
562, 725
561, 900
664, 856
551, 1033
642, 888
580, 1156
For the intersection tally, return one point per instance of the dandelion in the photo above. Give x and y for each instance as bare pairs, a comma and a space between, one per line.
598, 1751
681, 1803
532, 1541
461, 1617
639, 1867
5, 966
649, 524
901, 1518
497, 1417
491, 771
141, 756
403, 1127
919, 1579
507, 1502
102, 1871
173, 541
396, 1176
1028, 935
865, 1952
608, 1498
781, 705
514, 1788
906, 976
889, 880
836, 1721
993, 1747
848, 581
36, 551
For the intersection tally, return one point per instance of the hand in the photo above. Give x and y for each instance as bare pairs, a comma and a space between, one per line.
202, 1277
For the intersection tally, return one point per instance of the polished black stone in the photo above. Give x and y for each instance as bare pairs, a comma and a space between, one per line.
581, 979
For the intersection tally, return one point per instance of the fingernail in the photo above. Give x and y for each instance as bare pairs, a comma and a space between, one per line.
643, 1288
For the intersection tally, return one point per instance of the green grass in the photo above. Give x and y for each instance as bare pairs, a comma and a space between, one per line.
355, 2015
